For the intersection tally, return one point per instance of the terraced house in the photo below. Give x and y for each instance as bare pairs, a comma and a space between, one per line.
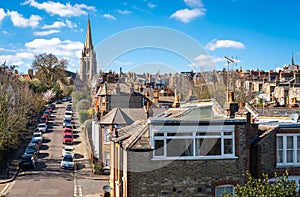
187, 151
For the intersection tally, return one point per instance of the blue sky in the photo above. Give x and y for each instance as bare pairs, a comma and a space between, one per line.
257, 34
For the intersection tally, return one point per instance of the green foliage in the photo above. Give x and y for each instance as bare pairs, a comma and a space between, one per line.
17, 102
83, 116
78, 95
262, 187
88, 125
69, 90
50, 69
83, 105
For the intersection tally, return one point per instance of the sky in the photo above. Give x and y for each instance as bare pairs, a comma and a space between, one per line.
153, 35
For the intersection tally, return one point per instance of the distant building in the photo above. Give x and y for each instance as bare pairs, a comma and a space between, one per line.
88, 63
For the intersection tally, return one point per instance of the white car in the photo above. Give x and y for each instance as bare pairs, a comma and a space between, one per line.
68, 150
67, 162
68, 114
38, 136
42, 127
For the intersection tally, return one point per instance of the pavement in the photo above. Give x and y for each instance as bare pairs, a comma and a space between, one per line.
83, 172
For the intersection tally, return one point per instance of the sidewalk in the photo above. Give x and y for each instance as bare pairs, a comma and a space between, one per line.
85, 168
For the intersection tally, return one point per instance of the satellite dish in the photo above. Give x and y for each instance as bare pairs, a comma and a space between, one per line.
294, 117
106, 188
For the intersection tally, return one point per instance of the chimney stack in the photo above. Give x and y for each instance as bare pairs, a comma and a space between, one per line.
155, 95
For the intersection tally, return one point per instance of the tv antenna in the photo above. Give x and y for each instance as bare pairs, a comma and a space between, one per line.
229, 60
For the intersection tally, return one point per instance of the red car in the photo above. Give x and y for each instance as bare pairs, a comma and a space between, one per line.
67, 138
43, 119
46, 115
68, 130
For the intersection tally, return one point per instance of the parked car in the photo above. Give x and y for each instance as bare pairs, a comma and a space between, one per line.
70, 126
68, 138
67, 121
58, 101
68, 114
68, 150
36, 141
32, 148
67, 162
49, 109
38, 135
52, 105
64, 99
47, 116
68, 130
28, 161
69, 108
42, 127
44, 119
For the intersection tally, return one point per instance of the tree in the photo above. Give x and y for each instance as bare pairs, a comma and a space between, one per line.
50, 69
16, 102
262, 187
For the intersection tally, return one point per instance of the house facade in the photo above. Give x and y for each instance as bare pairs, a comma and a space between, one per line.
277, 148
178, 154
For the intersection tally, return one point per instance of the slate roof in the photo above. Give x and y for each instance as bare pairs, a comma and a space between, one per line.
135, 136
116, 117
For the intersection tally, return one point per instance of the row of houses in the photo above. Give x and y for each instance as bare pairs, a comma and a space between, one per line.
156, 146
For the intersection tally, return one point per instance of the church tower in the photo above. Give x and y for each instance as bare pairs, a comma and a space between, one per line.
88, 63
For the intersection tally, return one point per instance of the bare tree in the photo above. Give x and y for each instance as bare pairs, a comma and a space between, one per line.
50, 69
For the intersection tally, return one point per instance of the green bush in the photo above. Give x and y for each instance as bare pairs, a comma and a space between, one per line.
83, 105
88, 125
83, 116
262, 187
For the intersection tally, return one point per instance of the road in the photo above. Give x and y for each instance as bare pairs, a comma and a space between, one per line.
48, 179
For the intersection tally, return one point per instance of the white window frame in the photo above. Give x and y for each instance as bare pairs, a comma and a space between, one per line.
223, 186
285, 149
106, 137
191, 133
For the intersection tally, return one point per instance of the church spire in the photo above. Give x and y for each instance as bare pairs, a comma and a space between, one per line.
293, 63
88, 37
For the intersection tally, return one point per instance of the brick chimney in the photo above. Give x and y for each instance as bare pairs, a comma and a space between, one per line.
176, 101
155, 95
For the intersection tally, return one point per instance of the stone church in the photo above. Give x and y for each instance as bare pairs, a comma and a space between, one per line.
88, 62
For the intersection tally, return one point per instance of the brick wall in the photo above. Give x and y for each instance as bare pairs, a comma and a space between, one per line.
148, 177
267, 155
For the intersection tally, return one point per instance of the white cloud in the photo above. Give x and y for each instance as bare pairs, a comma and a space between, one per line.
45, 33
19, 21
206, 60
193, 3
124, 12
63, 10
151, 5
186, 15
60, 48
109, 16
2, 14
55, 25
215, 44
70, 24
